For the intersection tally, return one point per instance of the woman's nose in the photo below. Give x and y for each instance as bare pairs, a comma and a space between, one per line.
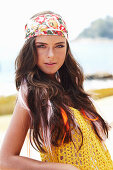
50, 53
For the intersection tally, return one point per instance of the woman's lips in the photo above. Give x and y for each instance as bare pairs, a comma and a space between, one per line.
50, 64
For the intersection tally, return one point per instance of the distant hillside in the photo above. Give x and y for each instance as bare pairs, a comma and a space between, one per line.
101, 28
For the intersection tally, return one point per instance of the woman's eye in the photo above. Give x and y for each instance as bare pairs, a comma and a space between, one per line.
40, 46
60, 46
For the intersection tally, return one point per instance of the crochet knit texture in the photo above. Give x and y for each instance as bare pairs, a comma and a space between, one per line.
93, 154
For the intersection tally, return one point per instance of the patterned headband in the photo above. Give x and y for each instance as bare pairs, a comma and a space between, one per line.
47, 24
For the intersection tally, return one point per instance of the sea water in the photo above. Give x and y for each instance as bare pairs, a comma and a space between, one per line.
94, 56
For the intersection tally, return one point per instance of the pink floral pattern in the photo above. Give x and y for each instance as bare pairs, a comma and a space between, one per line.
48, 24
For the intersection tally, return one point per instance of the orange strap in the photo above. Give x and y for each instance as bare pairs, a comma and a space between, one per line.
88, 117
64, 115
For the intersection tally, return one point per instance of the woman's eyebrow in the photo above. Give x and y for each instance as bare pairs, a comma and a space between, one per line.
41, 43
60, 43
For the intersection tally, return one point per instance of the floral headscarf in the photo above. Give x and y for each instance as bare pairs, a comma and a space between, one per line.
47, 24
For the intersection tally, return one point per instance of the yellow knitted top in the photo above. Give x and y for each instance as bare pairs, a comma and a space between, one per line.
93, 154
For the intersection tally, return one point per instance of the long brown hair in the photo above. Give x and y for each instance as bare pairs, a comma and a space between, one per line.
45, 93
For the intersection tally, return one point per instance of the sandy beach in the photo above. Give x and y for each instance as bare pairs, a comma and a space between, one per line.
105, 108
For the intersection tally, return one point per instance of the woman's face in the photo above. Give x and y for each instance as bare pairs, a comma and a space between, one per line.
51, 52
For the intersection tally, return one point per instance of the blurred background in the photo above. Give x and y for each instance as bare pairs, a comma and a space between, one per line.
90, 26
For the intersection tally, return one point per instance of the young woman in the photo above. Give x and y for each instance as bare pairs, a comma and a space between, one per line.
64, 124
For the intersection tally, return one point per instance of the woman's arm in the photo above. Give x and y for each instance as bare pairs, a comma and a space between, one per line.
13, 141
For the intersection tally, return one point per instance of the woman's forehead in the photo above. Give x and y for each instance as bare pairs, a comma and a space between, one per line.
50, 38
